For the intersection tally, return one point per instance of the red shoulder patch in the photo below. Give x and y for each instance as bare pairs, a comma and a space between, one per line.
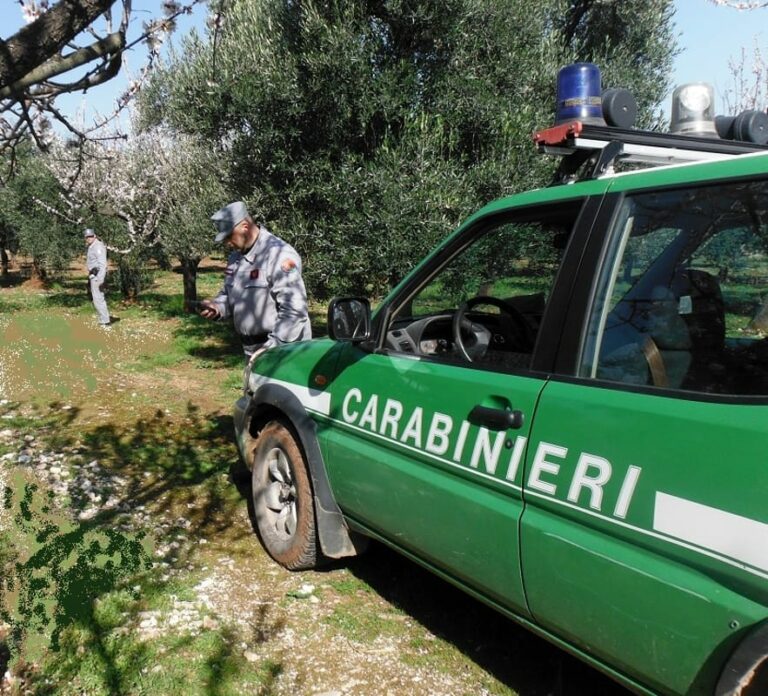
288, 265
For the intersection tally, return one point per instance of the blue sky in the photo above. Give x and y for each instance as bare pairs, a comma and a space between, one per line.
711, 35
708, 36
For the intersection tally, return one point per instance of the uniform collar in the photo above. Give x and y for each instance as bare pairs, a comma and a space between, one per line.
259, 245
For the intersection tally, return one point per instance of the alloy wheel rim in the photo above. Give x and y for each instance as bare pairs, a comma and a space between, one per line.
280, 494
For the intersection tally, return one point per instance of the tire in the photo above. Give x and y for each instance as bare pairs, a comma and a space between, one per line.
282, 499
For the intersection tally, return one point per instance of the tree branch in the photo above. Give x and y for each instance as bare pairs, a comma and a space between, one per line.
46, 36
60, 64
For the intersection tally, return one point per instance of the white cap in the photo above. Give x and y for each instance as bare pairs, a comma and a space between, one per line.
227, 217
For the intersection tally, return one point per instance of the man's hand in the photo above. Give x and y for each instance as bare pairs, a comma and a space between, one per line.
207, 310
256, 354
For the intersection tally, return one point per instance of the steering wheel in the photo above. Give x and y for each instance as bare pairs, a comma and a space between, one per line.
522, 329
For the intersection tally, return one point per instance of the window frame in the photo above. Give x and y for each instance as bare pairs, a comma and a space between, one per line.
603, 248
551, 328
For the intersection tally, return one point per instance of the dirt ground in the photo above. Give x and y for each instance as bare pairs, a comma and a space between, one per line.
377, 624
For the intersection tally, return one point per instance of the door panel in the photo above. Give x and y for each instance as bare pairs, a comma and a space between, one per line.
429, 432
645, 533
606, 565
405, 461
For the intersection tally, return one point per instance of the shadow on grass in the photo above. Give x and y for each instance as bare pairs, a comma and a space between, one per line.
5, 655
211, 269
516, 657
11, 279
72, 292
168, 477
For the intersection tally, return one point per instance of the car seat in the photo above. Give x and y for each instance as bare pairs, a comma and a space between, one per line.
701, 306
646, 341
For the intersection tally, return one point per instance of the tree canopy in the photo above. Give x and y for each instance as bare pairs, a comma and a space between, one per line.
363, 131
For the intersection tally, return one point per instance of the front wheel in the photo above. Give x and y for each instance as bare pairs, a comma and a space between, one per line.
282, 499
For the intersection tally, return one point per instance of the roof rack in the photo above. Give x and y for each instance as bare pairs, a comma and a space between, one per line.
594, 149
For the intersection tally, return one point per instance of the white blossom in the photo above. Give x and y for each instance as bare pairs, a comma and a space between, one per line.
32, 9
735, 4
214, 21
170, 7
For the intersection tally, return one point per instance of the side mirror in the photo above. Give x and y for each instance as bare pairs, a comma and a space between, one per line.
349, 319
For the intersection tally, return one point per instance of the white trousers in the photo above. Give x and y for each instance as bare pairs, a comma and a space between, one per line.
98, 301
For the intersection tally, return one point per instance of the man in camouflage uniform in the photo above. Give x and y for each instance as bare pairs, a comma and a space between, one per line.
96, 262
263, 291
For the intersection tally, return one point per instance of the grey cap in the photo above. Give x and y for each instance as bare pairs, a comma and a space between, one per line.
89, 233
227, 217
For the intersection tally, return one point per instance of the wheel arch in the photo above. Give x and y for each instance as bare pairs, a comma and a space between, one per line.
746, 671
274, 401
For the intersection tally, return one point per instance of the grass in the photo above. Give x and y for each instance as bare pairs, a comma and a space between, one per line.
77, 588
152, 429
66, 591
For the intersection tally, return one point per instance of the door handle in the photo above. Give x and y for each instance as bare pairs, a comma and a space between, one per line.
496, 418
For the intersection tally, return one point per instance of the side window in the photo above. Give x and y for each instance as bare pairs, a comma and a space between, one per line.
485, 305
684, 303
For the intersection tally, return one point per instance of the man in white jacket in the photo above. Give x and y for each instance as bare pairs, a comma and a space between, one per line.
96, 261
263, 292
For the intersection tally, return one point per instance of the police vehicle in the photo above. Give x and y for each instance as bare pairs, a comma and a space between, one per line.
563, 409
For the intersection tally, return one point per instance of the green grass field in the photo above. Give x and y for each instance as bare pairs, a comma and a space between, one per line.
128, 562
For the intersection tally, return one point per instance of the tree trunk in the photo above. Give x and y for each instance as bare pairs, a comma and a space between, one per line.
130, 278
4, 260
39, 271
189, 275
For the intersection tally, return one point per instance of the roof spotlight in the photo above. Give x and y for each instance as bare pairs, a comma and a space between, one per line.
619, 107
693, 110
749, 126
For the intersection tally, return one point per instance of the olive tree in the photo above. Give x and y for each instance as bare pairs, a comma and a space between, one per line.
362, 132
29, 224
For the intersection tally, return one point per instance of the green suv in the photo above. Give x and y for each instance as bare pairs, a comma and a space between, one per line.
562, 410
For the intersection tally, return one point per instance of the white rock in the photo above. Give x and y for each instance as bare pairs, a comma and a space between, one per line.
305, 590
